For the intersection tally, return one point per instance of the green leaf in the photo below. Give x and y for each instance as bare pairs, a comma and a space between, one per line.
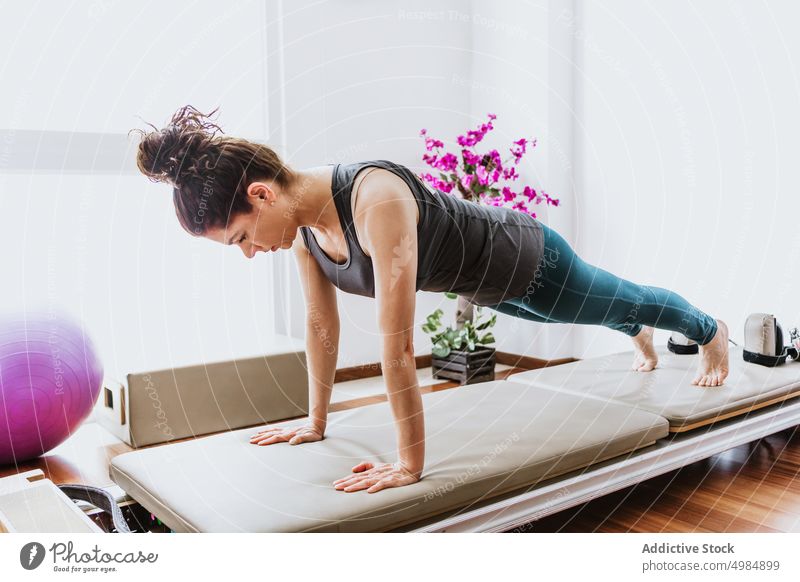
440, 350
471, 345
450, 295
487, 338
433, 320
427, 328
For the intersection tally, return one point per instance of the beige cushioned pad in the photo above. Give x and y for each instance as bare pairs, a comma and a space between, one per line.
481, 440
668, 390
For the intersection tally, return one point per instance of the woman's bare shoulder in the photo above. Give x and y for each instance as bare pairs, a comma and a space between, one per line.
375, 185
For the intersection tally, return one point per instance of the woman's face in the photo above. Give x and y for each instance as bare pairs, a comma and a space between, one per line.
269, 226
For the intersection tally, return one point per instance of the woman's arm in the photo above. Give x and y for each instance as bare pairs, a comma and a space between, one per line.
322, 345
387, 229
322, 334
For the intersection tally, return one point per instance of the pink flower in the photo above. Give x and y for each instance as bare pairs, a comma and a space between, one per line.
470, 158
431, 143
510, 173
519, 151
475, 136
447, 163
481, 171
438, 183
487, 198
470, 139
520, 206
496, 161
552, 201
529, 193
483, 176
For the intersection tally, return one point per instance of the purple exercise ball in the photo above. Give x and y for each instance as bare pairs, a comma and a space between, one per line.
50, 378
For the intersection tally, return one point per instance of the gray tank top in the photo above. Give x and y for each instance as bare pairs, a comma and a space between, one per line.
487, 254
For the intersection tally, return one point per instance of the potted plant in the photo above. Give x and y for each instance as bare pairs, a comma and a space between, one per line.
461, 353
482, 178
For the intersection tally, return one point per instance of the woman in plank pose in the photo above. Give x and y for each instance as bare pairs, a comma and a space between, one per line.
374, 229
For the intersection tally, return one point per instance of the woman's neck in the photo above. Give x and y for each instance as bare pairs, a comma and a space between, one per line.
312, 199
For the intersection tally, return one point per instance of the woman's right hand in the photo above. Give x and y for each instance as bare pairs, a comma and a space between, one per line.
294, 436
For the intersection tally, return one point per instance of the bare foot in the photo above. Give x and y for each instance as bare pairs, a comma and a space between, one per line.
713, 368
646, 357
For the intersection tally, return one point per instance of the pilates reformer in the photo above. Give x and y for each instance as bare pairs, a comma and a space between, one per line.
500, 454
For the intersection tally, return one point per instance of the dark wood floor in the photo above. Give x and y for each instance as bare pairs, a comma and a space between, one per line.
751, 488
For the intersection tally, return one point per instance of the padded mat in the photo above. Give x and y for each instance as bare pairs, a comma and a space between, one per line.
481, 440
668, 390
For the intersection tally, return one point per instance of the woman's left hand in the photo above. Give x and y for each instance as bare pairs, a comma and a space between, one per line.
374, 478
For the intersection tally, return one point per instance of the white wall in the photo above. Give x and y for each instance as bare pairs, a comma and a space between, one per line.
88, 233
94, 66
687, 164
674, 125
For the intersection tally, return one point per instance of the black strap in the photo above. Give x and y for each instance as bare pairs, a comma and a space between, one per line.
99, 498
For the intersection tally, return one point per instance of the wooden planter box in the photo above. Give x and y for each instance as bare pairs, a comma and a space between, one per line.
465, 367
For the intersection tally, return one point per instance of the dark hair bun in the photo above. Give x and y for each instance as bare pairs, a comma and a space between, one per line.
179, 150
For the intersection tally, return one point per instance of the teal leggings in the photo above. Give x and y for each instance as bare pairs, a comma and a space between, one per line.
566, 289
